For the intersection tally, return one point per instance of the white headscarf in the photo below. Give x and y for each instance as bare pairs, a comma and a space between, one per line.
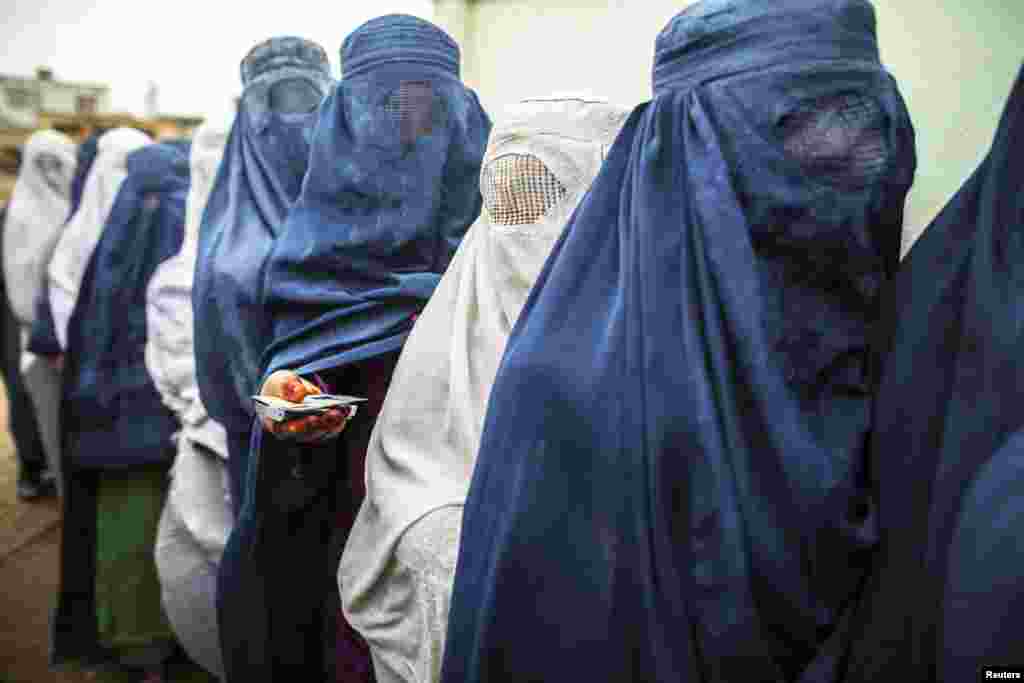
424, 445
35, 217
79, 239
169, 351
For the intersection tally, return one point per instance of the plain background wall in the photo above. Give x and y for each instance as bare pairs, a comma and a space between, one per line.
954, 60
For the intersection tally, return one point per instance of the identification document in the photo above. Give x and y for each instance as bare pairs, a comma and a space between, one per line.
280, 410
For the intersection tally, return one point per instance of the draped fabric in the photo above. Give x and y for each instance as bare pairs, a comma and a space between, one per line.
24, 428
194, 528
85, 158
112, 408
421, 454
669, 484
73, 252
391, 189
117, 434
257, 182
35, 218
169, 353
196, 518
43, 334
947, 457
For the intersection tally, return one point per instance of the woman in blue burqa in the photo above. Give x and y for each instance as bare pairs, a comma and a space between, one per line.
258, 180
947, 465
392, 187
670, 480
117, 434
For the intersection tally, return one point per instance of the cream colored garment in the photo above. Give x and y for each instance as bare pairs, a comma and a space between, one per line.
197, 518
169, 344
35, 218
398, 565
193, 531
78, 240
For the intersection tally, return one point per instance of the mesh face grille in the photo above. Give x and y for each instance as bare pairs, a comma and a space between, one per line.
518, 189
412, 106
840, 139
51, 170
293, 96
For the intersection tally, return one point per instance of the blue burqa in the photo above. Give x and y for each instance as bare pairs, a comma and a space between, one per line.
257, 182
86, 154
108, 389
112, 416
670, 481
43, 338
947, 460
392, 187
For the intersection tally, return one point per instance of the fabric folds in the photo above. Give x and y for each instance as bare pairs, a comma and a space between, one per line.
43, 334
946, 456
169, 354
670, 481
390, 191
73, 252
35, 218
116, 433
196, 518
263, 164
540, 160
112, 409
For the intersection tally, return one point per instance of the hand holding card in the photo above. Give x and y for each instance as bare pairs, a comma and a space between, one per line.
291, 407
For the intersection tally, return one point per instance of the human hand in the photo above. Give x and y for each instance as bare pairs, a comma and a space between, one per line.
287, 385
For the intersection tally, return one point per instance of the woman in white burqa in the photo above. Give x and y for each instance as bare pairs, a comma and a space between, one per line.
35, 220
196, 518
397, 570
79, 239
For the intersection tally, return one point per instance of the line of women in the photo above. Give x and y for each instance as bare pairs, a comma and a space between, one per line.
650, 396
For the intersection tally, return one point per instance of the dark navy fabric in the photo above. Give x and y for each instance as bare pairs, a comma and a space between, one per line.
257, 182
112, 412
112, 416
393, 185
392, 188
85, 156
670, 483
947, 459
43, 336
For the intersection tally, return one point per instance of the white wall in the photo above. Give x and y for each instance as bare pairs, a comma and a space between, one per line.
955, 61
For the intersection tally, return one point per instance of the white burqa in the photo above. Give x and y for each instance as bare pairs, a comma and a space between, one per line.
398, 566
35, 219
82, 233
197, 518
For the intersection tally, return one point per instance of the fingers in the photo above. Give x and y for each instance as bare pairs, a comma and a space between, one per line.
311, 429
289, 386
335, 418
295, 389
